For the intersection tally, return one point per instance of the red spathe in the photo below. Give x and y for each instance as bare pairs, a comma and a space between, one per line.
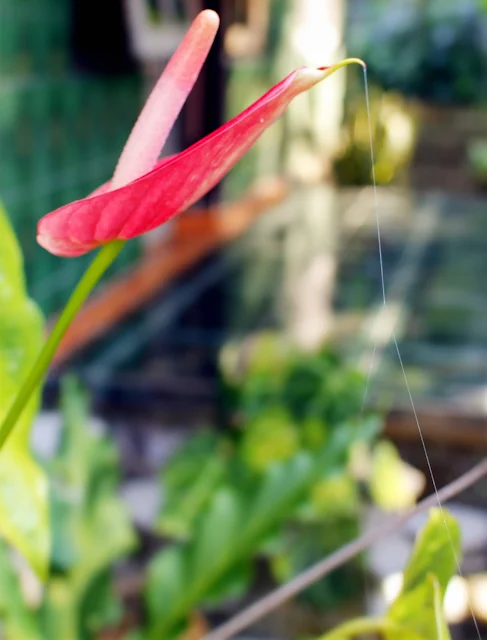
146, 201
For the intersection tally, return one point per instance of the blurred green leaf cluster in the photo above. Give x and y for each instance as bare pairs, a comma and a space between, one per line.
244, 513
284, 482
267, 371
279, 403
435, 50
90, 529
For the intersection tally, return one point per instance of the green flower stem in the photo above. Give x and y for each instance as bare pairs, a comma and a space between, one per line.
92, 275
361, 626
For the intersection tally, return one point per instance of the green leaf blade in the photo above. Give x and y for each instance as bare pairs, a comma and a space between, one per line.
432, 564
436, 551
24, 521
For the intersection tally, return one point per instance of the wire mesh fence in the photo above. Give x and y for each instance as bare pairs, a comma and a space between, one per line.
60, 133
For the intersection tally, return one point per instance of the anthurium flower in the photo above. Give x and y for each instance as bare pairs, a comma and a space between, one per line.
144, 192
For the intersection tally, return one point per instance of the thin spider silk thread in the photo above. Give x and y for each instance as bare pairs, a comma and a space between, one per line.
280, 595
423, 443
366, 574
394, 339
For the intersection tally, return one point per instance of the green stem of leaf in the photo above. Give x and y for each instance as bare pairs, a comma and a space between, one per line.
242, 548
361, 626
92, 275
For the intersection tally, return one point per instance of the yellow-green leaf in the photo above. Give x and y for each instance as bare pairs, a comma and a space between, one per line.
431, 566
23, 485
394, 485
436, 551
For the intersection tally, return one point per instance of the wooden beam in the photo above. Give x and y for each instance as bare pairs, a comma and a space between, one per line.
441, 425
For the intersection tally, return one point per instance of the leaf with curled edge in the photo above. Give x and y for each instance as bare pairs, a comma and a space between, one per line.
431, 566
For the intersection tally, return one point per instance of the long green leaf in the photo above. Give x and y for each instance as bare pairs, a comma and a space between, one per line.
87, 466
234, 525
417, 612
436, 551
190, 479
23, 484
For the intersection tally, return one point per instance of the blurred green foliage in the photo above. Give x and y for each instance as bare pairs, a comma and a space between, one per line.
23, 485
434, 50
284, 482
230, 497
90, 531
268, 370
243, 516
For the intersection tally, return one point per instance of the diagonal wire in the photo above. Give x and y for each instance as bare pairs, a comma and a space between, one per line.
322, 568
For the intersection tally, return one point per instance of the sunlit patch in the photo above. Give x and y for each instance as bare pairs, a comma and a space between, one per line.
456, 602
391, 587
477, 587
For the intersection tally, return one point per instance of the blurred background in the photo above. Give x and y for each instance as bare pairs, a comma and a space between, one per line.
258, 314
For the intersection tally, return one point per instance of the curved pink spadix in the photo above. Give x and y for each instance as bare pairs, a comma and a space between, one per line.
152, 128
174, 184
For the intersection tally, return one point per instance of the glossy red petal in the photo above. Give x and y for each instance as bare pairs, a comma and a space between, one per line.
108, 186
172, 186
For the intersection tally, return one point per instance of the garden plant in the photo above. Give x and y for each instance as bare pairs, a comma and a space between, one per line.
251, 498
